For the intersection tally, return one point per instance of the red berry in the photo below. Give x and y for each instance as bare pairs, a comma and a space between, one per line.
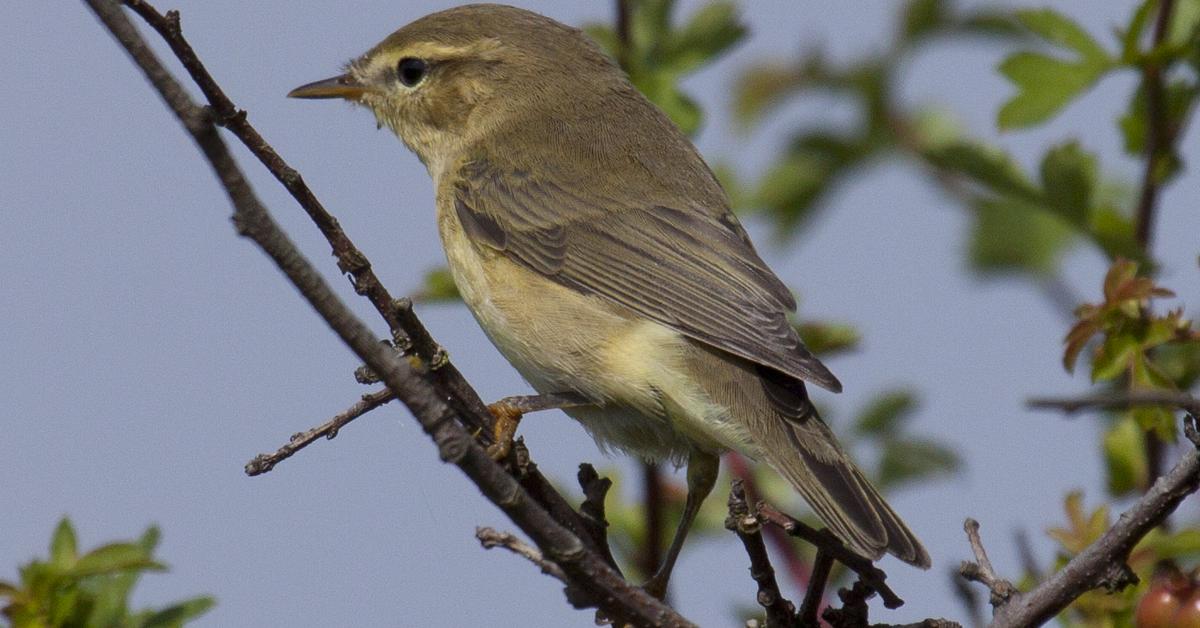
1188, 615
1158, 608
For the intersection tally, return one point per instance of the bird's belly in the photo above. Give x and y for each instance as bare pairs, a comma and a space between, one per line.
561, 340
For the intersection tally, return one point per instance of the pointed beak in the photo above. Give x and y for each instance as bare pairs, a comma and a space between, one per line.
344, 86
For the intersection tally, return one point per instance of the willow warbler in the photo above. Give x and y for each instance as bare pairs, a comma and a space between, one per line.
600, 256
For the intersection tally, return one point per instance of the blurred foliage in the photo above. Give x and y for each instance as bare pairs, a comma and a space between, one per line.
657, 53
1100, 608
91, 590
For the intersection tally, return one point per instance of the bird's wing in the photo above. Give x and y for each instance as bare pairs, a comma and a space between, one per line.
685, 268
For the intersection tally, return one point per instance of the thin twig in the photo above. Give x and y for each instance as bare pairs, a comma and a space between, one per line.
654, 506
781, 613
263, 463
870, 575
795, 565
981, 570
1103, 563
595, 489
810, 608
1158, 133
490, 538
408, 333
1159, 146
1115, 401
439, 419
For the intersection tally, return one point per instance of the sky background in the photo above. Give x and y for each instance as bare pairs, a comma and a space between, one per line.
149, 352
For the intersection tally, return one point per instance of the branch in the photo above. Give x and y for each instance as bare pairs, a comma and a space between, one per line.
871, 576
329, 429
1103, 563
408, 333
1116, 401
815, 595
981, 570
595, 489
414, 387
781, 613
490, 538
794, 564
1159, 136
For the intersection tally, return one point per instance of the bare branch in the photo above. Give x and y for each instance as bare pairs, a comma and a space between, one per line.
781, 613
1103, 563
490, 538
441, 421
811, 606
981, 570
263, 463
1116, 401
595, 489
871, 576
1159, 135
408, 333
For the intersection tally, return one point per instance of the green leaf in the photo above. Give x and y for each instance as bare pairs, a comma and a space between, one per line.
1011, 235
1182, 544
1131, 36
177, 614
824, 339
988, 166
1044, 86
922, 17
1068, 177
1115, 234
150, 539
761, 87
1179, 99
1185, 24
886, 413
1125, 457
438, 286
910, 460
1060, 30
1115, 356
113, 558
63, 546
710, 32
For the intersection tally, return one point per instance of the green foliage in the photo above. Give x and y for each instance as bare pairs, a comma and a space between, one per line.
1045, 84
93, 589
657, 54
437, 286
1082, 528
826, 339
903, 458
1129, 353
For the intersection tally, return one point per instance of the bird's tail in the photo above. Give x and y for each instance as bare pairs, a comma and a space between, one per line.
801, 448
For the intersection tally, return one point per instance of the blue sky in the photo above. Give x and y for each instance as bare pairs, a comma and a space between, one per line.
150, 352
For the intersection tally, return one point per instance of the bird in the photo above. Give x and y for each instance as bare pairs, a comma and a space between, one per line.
600, 255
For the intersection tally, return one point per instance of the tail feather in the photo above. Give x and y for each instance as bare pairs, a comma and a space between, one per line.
799, 445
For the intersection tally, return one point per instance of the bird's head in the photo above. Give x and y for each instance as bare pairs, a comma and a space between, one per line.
458, 76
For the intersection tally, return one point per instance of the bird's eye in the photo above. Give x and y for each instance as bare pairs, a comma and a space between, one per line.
412, 71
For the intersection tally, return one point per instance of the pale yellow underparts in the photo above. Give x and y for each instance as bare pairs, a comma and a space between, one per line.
563, 340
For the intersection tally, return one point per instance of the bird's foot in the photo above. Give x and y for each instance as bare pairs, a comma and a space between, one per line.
508, 417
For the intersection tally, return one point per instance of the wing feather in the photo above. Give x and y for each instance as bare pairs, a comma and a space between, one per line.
691, 269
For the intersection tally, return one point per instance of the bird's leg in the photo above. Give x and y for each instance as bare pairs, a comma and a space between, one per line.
509, 410
702, 471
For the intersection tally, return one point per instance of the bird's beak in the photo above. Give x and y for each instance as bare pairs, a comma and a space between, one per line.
344, 86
